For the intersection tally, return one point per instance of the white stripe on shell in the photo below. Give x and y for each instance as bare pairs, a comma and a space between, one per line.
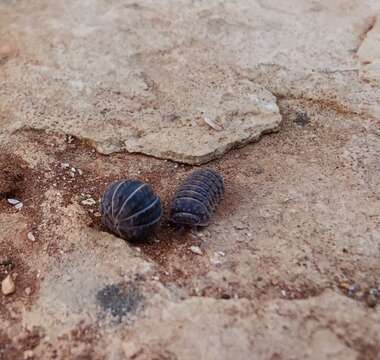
128, 198
196, 200
113, 195
139, 212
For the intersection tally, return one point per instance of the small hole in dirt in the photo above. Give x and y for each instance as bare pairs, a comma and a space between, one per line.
16, 180
12, 175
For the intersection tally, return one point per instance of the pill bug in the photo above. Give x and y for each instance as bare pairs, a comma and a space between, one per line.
130, 209
197, 198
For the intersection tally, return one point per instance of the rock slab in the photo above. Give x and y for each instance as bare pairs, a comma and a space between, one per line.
143, 92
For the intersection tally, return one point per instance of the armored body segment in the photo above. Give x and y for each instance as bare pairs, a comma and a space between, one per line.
196, 199
130, 209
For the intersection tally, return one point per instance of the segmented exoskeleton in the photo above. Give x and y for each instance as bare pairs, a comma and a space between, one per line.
130, 209
197, 197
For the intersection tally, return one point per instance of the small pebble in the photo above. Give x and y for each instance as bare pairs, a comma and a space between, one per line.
349, 289
352, 290
372, 297
28, 354
31, 237
19, 205
215, 261
88, 202
212, 123
8, 286
344, 285
65, 165
196, 250
13, 201
28, 291
80, 172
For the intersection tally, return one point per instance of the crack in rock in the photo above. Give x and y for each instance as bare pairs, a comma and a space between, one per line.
369, 54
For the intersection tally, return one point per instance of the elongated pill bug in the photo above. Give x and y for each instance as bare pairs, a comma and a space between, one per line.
197, 198
130, 209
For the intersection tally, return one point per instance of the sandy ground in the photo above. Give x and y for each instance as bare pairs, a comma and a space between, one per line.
290, 263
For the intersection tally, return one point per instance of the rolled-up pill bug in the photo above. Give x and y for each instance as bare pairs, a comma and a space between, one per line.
197, 197
130, 209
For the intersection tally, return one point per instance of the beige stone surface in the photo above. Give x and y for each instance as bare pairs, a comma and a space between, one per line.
244, 331
123, 78
143, 77
285, 267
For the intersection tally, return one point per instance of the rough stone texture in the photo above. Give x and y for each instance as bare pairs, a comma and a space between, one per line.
142, 76
293, 248
369, 54
238, 330
126, 78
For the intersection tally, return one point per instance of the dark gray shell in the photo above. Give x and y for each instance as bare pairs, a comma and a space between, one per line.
197, 197
130, 209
